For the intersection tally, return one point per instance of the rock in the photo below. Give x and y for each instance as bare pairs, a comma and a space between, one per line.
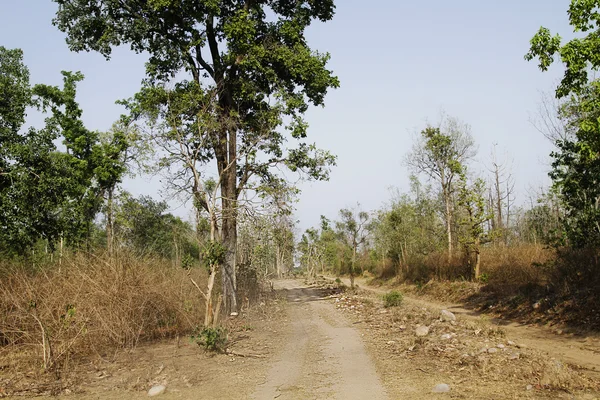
422, 330
384, 311
441, 388
402, 327
536, 305
447, 316
492, 350
234, 314
514, 356
500, 346
156, 390
391, 342
446, 336
511, 343
529, 387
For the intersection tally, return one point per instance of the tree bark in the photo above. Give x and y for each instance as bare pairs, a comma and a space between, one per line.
229, 226
109, 223
477, 259
447, 200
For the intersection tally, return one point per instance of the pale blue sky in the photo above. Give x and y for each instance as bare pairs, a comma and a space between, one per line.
399, 62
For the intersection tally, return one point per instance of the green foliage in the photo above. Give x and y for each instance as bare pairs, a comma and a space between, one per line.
263, 57
48, 194
410, 227
579, 55
212, 339
143, 226
213, 254
576, 170
392, 299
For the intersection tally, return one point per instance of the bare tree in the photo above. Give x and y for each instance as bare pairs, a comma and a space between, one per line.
553, 118
501, 193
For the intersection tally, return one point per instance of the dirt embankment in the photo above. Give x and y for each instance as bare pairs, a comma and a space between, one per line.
580, 350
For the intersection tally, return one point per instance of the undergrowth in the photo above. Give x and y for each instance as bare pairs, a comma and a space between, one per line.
91, 305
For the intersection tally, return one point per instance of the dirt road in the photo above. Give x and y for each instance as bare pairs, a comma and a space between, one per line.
324, 356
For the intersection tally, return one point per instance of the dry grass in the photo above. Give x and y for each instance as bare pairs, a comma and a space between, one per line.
91, 305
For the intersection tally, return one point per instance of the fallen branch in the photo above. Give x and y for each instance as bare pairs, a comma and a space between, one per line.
235, 353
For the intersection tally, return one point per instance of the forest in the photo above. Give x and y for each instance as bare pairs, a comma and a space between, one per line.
87, 267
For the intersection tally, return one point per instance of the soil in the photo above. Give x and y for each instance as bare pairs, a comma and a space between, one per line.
581, 350
319, 342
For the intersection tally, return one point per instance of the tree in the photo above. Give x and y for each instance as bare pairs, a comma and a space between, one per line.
470, 197
352, 229
47, 194
250, 58
501, 196
409, 228
579, 55
576, 173
441, 153
576, 165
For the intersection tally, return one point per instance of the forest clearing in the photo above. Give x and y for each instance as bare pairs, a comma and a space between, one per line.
231, 199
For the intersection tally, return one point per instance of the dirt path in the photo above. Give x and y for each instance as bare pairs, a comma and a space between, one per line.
324, 357
582, 351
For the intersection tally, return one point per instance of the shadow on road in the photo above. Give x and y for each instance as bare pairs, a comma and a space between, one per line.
306, 294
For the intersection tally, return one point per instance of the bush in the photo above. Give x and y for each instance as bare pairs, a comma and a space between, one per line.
392, 299
212, 339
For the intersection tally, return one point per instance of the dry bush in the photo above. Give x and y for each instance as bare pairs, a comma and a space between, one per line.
93, 305
507, 268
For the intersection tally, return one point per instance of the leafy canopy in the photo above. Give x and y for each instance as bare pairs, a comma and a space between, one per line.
579, 55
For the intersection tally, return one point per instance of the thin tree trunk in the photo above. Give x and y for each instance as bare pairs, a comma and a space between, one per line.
477, 259
447, 200
109, 223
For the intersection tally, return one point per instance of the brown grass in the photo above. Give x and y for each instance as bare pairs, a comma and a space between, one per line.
92, 305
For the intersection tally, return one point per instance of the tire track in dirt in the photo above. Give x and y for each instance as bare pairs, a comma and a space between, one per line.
324, 357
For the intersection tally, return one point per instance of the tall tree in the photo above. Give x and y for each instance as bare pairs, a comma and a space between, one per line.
576, 166
441, 153
470, 198
352, 228
579, 55
251, 58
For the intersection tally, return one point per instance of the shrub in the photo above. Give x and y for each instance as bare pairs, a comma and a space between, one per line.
392, 299
212, 339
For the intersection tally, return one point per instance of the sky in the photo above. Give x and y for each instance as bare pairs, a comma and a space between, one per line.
400, 64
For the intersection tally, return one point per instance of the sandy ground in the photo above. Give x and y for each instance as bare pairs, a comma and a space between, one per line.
324, 357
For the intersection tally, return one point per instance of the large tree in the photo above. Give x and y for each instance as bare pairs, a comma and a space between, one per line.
46, 193
576, 166
441, 153
579, 55
249, 59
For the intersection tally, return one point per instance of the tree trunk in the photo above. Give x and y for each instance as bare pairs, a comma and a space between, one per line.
447, 200
229, 232
109, 223
477, 259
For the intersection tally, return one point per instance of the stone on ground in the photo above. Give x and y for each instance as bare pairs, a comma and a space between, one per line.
422, 330
156, 390
441, 388
447, 316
